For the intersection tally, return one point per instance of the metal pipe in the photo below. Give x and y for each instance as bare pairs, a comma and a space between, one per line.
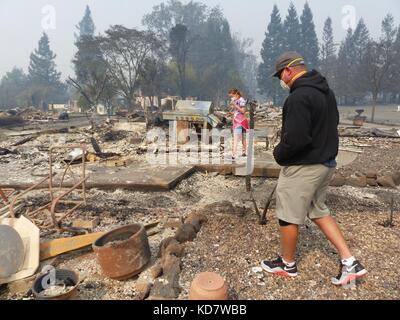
13, 201
57, 200
4, 197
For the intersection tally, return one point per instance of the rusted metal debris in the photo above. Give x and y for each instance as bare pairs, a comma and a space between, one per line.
389, 223
63, 287
58, 194
4, 195
263, 219
124, 252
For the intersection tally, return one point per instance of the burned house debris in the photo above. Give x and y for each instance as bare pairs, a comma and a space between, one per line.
188, 115
163, 162
100, 181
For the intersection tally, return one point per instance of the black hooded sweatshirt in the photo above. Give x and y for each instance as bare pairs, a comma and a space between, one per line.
310, 123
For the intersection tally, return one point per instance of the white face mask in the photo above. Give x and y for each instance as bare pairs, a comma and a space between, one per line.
284, 85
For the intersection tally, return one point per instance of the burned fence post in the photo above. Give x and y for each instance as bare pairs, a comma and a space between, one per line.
250, 147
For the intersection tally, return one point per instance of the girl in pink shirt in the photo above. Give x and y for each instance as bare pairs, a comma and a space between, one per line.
240, 122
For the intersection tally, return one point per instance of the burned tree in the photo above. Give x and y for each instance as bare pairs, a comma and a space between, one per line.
179, 49
93, 78
125, 51
328, 52
152, 81
152, 78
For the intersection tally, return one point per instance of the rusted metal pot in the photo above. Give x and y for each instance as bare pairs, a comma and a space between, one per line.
123, 252
208, 286
64, 277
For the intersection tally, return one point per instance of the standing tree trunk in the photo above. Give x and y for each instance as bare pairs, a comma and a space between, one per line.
374, 102
182, 80
159, 103
130, 103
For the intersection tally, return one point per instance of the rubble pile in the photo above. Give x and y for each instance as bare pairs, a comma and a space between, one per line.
369, 132
36, 115
268, 113
25, 151
10, 118
376, 165
206, 222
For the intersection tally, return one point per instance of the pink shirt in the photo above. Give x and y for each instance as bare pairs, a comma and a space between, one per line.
239, 118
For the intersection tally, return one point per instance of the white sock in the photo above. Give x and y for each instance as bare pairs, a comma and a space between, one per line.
289, 264
348, 262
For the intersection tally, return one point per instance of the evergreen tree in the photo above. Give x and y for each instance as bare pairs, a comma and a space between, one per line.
396, 70
361, 38
309, 41
92, 79
219, 66
44, 78
42, 68
328, 53
13, 89
343, 69
272, 47
379, 62
390, 41
86, 26
292, 31
86, 53
247, 64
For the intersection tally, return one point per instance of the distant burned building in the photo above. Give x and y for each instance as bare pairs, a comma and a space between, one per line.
190, 115
58, 107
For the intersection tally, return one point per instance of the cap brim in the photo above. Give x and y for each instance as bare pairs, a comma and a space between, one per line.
276, 74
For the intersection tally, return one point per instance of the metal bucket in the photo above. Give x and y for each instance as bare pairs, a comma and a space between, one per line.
124, 252
61, 276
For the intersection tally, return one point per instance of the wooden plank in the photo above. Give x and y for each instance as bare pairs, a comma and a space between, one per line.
56, 247
136, 176
267, 169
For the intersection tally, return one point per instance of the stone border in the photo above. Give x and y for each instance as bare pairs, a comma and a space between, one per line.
167, 269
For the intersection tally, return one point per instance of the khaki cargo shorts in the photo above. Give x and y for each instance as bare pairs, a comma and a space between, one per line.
301, 193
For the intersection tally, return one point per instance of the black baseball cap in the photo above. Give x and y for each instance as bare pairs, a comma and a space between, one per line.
288, 59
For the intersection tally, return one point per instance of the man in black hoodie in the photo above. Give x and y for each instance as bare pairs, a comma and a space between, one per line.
307, 153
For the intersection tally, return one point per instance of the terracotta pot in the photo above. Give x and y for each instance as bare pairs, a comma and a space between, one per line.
124, 252
208, 286
65, 276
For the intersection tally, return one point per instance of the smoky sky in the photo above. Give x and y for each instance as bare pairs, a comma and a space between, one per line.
22, 21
